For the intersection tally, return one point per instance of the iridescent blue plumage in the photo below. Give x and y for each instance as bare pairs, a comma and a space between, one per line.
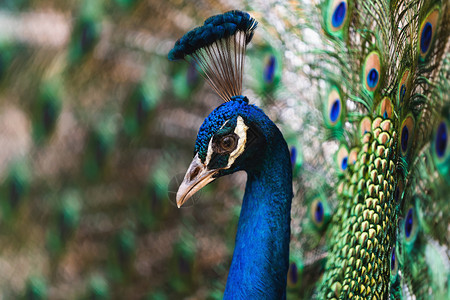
239, 136
261, 255
214, 121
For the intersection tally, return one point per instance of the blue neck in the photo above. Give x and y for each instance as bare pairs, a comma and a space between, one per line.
261, 255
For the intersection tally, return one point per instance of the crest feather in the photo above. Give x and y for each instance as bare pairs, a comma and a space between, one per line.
218, 48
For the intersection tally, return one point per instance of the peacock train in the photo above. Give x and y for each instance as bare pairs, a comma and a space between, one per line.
364, 213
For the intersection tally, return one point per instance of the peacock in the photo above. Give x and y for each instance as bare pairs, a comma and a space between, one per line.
239, 136
97, 126
366, 214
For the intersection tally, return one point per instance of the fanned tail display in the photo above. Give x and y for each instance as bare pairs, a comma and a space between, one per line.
381, 70
370, 81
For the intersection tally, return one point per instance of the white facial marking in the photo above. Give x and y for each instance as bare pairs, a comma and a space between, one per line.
210, 150
241, 131
209, 153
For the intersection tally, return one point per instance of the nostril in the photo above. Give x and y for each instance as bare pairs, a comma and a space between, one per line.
194, 173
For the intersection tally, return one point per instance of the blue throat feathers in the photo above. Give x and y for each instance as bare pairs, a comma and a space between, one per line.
261, 255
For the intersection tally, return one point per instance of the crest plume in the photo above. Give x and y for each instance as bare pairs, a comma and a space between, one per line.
218, 48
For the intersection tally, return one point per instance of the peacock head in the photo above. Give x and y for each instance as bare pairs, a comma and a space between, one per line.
225, 142
233, 137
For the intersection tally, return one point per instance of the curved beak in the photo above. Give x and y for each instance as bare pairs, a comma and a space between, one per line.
197, 176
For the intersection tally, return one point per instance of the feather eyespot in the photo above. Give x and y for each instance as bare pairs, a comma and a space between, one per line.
336, 16
440, 148
372, 78
410, 225
427, 32
394, 261
425, 37
406, 134
344, 163
394, 264
441, 140
372, 71
334, 110
269, 68
402, 92
403, 86
318, 212
292, 274
339, 15
342, 158
385, 108
405, 137
293, 156
296, 160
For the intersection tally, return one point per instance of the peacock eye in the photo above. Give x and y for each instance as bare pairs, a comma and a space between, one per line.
394, 265
372, 71
427, 31
394, 262
292, 274
342, 158
406, 134
227, 143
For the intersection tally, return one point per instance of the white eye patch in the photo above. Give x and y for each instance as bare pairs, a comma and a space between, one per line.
241, 132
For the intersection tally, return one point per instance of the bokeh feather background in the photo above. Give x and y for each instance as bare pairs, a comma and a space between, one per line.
96, 126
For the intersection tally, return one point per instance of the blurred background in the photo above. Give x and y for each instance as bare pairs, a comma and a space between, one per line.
97, 127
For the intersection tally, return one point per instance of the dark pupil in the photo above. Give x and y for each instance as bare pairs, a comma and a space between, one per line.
344, 163
293, 155
227, 143
269, 71
319, 212
441, 140
426, 37
335, 110
293, 273
372, 78
339, 15
409, 223
402, 92
405, 134
393, 259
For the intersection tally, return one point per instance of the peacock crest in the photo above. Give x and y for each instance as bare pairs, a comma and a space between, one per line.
218, 48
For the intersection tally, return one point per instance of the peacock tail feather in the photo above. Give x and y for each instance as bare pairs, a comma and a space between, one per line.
380, 70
